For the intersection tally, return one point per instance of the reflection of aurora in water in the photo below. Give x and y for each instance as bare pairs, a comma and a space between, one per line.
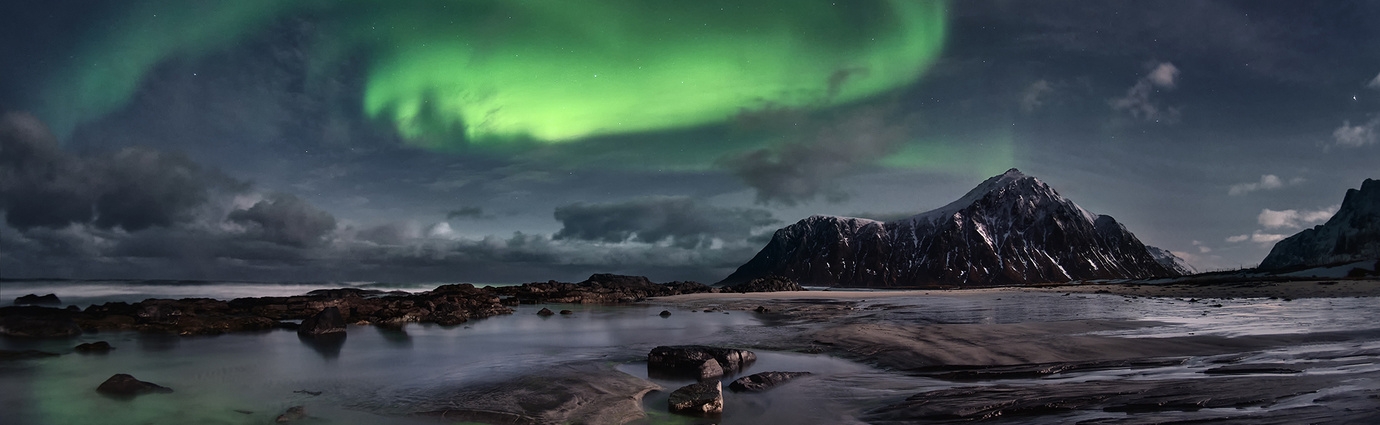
541, 70
379, 375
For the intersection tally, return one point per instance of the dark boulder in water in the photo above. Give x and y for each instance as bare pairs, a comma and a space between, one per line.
764, 381
98, 347
545, 312
689, 360
328, 321
125, 386
704, 398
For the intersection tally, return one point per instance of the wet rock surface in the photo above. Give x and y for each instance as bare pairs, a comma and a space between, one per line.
328, 321
98, 347
704, 398
581, 393
697, 361
125, 386
759, 382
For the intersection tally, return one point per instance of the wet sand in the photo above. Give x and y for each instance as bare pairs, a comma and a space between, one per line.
1257, 353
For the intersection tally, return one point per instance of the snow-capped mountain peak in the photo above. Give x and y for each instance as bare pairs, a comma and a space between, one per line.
1010, 229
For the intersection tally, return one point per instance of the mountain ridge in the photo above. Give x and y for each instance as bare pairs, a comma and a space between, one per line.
1011, 229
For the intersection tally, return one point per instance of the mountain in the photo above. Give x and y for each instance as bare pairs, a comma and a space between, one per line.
1012, 229
1352, 234
1171, 261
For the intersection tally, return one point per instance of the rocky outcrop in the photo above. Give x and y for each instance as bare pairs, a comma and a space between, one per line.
33, 299
1352, 234
1012, 229
328, 321
125, 386
598, 289
447, 305
37, 322
759, 382
703, 398
697, 361
766, 284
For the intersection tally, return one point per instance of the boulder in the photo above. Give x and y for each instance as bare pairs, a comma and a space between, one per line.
665, 313
328, 321
760, 382
98, 347
567, 312
545, 312
50, 299
689, 360
704, 398
125, 386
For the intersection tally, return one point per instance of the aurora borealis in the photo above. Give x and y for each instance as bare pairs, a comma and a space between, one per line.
548, 71
437, 139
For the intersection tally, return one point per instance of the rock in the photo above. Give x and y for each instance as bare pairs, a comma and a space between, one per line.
49, 299
760, 382
545, 312
98, 347
665, 313
567, 312
689, 360
37, 322
125, 386
294, 413
590, 393
704, 398
328, 321
761, 309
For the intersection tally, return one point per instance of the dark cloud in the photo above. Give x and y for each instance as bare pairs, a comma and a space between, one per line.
467, 213
133, 189
803, 166
684, 221
286, 219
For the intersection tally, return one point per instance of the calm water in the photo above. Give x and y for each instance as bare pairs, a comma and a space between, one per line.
377, 376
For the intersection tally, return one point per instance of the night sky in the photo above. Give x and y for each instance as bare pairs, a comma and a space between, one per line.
498, 141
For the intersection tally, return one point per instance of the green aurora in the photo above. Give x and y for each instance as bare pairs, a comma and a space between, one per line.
490, 72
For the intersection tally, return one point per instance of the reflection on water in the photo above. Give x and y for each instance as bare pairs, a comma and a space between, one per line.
378, 374
327, 345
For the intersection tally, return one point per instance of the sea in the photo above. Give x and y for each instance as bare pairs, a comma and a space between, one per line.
381, 376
